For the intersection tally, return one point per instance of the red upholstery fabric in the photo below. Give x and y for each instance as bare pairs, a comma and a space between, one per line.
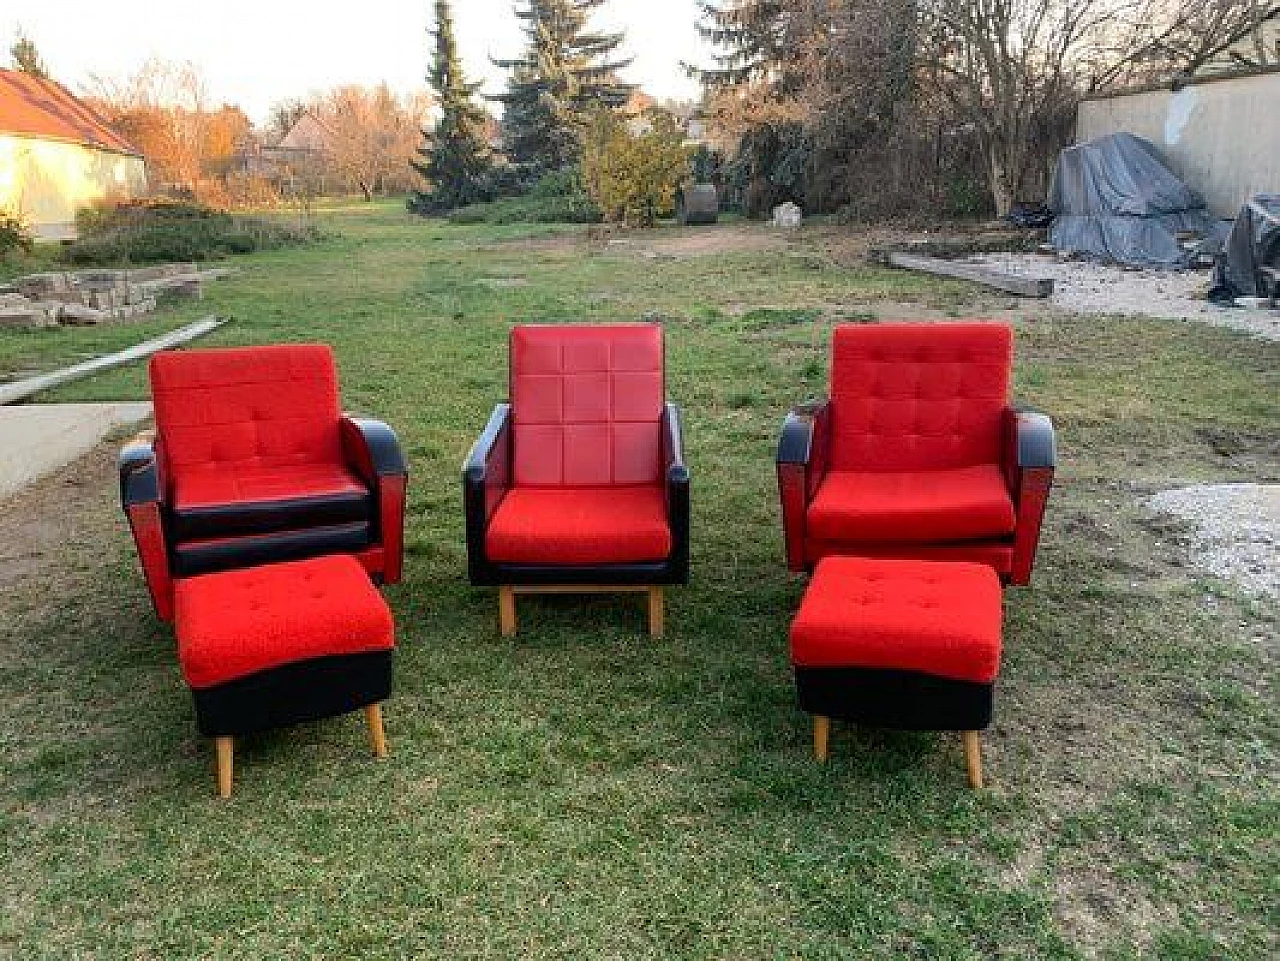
237, 623
586, 405
580, 525
247, 408
907, 397
927, 506
940, 618
213, 486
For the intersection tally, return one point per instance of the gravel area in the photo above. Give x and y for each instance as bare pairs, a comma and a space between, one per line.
1237, 530
1089, 288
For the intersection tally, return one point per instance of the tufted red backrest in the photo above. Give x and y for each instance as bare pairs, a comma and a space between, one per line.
254, 406
586, 405
918, 396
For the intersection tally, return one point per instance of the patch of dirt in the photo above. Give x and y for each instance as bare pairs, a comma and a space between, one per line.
855, 244
558, 241
36, 523
701, 241
1237, 531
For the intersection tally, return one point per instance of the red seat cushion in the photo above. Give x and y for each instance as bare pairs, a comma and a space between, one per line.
928, 506
940, 618
580, 525
237, 623
214, 487
235, 500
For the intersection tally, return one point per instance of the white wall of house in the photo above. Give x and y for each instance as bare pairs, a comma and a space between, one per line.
1221, 136
46, 181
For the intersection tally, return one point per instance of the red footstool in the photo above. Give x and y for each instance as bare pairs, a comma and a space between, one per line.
913, 645
266, 647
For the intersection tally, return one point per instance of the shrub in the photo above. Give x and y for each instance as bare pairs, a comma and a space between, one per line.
156, 231
558, 198
14, 234
631, 176
560, 183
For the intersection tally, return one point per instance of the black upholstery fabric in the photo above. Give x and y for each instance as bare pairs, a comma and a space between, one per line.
294, 693
205, 557
268, 517
905, 700
1037, 445
372, 448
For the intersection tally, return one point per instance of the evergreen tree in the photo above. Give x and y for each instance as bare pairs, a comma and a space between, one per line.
565, 72
754, 38
455, 158
26, 57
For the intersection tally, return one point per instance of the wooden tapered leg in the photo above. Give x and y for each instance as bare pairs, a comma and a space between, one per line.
973, 757
226, 751
657, 613
377, 735
821, 737
507, 611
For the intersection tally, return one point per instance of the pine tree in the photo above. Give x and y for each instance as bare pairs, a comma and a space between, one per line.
27, 58
456, 161
753, 37
565, 72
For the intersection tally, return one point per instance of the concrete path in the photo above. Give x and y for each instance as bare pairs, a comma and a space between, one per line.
38, 438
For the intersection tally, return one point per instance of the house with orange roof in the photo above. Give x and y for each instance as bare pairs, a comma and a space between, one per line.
58, 154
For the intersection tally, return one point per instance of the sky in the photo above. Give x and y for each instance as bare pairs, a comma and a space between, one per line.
254, 53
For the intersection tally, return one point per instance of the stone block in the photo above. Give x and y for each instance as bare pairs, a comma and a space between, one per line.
77, 315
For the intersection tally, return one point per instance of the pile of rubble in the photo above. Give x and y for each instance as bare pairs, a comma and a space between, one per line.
84, 297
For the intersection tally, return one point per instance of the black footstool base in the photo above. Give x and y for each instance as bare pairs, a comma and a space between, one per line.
293, 694
891, 698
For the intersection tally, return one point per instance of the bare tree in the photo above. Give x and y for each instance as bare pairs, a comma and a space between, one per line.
1014, 69
372, 135
1179, 38
164, 110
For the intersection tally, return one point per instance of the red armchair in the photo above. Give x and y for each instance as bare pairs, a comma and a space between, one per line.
253, 462
917, 453
579, 484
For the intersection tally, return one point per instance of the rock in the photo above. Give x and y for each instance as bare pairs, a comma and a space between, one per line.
35, 314
100, 276
17, 317
787, 215
38, 285
78, 315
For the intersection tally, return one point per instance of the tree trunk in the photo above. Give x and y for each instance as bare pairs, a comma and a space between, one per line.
1003, 190
366, 190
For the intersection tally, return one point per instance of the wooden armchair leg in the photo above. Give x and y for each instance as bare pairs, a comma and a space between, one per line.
821, 737
657, 612
507, 611
973, 757
225, 749
377, 734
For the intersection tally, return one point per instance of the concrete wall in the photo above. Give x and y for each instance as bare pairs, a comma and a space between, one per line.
45, 181
1221, 137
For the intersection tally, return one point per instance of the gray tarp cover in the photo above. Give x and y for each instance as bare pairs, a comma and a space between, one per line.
1254, 242
1114, 199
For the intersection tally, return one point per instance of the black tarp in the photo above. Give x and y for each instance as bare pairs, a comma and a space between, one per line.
1115, 200
1254, 242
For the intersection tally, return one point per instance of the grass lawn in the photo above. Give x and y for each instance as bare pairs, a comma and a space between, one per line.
586, 792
